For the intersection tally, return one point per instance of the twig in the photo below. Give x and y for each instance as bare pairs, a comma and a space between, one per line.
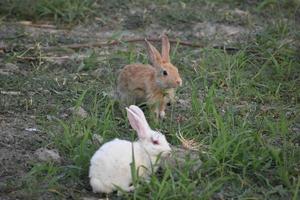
134, 40
116, 42
45, 26
49, 58
27, 58
10, 92
4, 144
190, 144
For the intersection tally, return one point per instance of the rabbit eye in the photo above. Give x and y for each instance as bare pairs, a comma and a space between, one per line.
165, 73
155, 142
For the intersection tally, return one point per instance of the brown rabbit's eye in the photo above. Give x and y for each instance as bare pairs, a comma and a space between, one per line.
165, 73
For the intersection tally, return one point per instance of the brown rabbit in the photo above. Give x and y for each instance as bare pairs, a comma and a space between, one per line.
154, 84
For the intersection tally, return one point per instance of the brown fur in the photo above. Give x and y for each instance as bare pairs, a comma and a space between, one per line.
138, 83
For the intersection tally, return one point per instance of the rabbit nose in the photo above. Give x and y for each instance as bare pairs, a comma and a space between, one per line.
167, 153
179, 82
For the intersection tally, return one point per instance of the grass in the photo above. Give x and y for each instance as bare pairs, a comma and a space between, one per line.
243, 108
61, 11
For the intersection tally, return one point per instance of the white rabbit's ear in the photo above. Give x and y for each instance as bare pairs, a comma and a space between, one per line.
139, 113
153, 54
165, 50
138, 124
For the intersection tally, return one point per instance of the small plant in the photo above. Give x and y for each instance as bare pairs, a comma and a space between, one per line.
65, 10
88, 63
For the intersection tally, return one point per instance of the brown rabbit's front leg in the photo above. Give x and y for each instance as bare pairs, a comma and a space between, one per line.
158, 106
155, 110
162, 108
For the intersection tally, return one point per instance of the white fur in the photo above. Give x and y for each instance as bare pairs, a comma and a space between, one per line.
110, 165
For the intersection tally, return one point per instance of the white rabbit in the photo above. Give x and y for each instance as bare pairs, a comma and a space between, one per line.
110, 165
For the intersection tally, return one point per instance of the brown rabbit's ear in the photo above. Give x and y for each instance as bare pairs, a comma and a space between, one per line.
165, 48
154, 55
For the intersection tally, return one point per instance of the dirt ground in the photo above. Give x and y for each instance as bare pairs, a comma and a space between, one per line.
20, 134
24, 102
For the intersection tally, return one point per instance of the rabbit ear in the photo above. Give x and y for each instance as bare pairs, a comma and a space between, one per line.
137, 123
139, 113
165, 48
153, 54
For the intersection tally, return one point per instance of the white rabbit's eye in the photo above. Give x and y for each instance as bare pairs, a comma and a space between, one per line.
154, 141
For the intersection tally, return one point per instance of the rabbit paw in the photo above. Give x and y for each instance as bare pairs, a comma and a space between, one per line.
162, 114
128, 189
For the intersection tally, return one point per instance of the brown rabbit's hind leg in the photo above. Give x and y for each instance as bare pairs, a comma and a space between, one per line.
125, 97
